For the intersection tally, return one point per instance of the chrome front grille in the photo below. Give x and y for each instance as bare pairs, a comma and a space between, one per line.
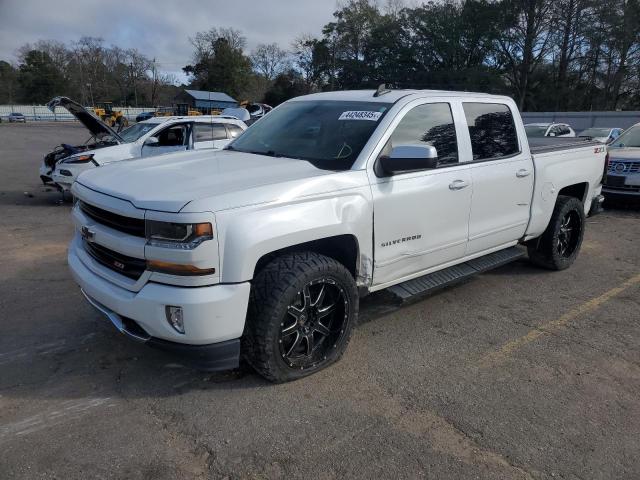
624, 167
132, 226
122, 264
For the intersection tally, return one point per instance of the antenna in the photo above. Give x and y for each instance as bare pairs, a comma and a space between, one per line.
382, 89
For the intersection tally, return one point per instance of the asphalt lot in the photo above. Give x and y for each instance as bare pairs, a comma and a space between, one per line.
517, 374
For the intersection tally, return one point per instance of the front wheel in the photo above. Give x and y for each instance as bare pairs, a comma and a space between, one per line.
301, 313
560, 243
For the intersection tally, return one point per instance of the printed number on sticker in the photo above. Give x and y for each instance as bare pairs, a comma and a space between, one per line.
360, 115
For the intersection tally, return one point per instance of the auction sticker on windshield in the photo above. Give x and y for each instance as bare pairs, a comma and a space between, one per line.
360, 115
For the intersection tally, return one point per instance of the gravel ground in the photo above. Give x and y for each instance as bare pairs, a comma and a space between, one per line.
517, 374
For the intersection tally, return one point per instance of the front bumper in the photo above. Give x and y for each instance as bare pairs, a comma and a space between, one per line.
622, 185
214, 316
217, 356
63, 182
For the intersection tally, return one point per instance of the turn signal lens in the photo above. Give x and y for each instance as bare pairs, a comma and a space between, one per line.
79, 159
177, 268
203, 230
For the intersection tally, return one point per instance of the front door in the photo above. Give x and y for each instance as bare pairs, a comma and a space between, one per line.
174, 138
421, 218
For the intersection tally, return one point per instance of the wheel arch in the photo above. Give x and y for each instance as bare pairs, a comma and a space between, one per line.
342, 248
577, 190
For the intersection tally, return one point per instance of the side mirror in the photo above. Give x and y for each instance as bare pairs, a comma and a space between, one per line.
552, 134
407, 158
151, 142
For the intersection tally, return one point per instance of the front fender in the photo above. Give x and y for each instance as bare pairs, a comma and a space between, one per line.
247, 234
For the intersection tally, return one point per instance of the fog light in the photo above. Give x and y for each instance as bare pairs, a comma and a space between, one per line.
175, 318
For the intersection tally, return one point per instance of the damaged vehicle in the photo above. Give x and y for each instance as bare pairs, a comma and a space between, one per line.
102, 136
156, 136
263, 250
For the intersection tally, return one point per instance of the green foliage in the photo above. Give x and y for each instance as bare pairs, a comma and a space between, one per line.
38, 78
8, 82
286, 85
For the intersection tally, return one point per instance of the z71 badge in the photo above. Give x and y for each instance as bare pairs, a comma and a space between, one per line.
400, 240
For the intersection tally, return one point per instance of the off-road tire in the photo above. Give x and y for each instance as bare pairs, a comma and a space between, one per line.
543, 251
273, 290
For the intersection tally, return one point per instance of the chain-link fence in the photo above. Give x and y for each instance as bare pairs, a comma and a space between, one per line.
42, 113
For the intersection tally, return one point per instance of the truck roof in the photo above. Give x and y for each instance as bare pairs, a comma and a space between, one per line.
391, 96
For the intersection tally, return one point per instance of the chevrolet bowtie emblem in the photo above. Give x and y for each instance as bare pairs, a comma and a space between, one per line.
87, 233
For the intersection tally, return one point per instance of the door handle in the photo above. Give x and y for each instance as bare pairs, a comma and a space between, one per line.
458, 185
523, 173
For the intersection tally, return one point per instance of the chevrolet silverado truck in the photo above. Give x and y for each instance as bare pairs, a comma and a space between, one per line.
263, 249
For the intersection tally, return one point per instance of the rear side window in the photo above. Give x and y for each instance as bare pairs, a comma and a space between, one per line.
207, 132
492, 130
428, 124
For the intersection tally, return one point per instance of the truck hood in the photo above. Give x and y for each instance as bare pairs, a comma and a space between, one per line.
169, 182
92, 123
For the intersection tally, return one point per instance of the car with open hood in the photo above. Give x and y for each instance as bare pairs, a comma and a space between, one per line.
155, 136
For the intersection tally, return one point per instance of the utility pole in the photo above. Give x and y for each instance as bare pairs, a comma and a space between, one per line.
91, 94
133, 79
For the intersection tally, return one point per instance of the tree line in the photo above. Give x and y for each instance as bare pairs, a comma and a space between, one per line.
549, 55
86, 70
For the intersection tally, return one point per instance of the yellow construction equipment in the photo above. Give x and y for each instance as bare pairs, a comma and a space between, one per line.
185, 110
113, 118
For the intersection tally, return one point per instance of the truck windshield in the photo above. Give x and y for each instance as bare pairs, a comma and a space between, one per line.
329, 134
630, 138
535, 130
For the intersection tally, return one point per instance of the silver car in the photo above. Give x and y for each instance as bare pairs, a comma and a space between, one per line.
623, 174
17, 117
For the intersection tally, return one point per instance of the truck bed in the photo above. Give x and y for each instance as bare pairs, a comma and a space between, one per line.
555, 144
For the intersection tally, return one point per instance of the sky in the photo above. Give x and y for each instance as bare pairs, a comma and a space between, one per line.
158, 28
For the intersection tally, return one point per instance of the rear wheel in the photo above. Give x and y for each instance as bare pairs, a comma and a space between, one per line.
301, 313
560, 243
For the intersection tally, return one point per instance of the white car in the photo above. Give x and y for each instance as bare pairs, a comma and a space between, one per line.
602, 135
549, 130
156, 136
264, 248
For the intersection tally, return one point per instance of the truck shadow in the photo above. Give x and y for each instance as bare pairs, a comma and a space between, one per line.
86, 351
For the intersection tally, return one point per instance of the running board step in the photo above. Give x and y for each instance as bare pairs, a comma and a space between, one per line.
443, 278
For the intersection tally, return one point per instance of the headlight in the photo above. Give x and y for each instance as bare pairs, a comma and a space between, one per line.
177, 235
80, 159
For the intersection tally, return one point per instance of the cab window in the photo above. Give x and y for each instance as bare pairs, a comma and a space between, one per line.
428, 124
492, 130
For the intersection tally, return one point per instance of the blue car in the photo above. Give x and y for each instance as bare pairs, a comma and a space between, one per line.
144, 116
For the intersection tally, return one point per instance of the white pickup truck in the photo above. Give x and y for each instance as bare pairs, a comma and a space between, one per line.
264, 249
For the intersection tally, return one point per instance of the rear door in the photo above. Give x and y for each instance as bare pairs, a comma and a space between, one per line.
502, 176
421, 217
209, 135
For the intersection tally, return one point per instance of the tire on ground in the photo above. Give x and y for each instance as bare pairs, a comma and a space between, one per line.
543, 251
273, 290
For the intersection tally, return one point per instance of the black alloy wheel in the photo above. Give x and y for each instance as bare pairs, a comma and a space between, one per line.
313, 324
